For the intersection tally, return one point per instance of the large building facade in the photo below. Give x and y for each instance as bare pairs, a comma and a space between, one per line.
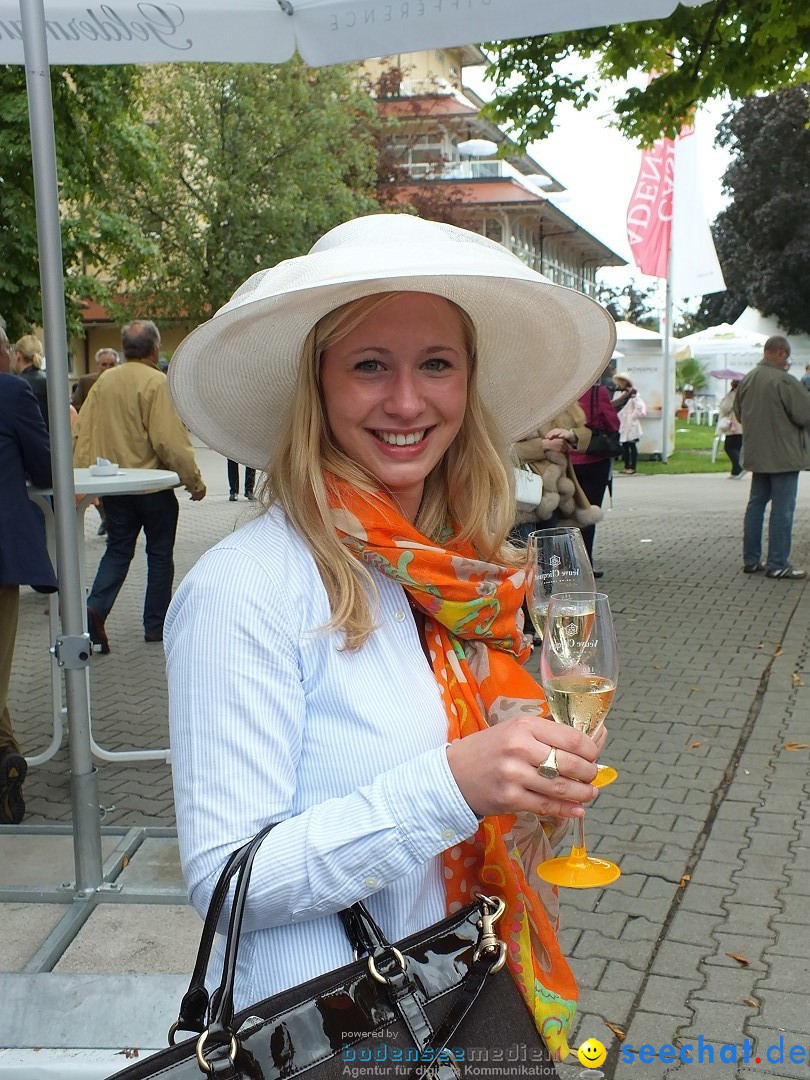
448, 160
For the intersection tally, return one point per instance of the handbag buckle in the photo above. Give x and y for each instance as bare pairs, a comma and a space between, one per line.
205, 1066
489, 944
374, 971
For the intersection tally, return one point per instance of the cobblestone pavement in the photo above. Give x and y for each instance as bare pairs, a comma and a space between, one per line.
705, 934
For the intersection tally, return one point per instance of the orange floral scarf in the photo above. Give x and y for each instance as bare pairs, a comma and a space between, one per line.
473, 629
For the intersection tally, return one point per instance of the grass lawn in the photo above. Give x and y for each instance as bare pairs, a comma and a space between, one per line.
692, 453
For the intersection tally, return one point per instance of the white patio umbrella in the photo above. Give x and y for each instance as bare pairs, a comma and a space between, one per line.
40, 32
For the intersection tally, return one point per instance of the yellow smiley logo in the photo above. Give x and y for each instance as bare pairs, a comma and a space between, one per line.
592, 1054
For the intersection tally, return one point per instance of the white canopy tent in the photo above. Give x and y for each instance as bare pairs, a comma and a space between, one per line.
270, 31
722, 346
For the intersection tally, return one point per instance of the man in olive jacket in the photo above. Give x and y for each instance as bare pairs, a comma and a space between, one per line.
775, 412
129, 418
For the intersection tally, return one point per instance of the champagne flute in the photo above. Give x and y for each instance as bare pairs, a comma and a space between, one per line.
558, 562
579, 667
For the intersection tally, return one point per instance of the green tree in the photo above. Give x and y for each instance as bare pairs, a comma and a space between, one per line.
630, 303
700, 53
254, 163
97, 125
763, 235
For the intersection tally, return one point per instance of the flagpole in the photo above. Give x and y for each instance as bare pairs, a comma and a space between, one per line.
669, 381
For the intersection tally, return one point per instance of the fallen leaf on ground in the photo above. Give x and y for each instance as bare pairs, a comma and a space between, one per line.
684, 880
129, 1052
779, 652
740, 959
656, 667
694, 745
795, 746
694, 687
760, 645
125, 862
751, 1002
617, 1031
797, 679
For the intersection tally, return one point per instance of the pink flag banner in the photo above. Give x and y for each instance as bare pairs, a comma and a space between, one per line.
649, 215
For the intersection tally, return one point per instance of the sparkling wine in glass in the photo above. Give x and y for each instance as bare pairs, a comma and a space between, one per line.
579, 667
558, 562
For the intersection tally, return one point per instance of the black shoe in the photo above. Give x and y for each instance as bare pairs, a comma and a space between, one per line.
787, 572
250, 496
13, 769
98, 635
232, 497
102, 529
598, 573
154, 636
753, 568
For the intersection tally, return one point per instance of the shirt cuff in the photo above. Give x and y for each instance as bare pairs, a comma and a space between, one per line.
430, 812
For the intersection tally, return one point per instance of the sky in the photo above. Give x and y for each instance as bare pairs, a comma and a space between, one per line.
599, 167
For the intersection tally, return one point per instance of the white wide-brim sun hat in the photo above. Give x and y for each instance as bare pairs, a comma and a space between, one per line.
539, 345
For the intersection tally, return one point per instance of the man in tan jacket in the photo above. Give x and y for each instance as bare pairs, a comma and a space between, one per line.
129, 418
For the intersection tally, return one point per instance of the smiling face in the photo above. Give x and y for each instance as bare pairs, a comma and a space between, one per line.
592, 1054
395, 391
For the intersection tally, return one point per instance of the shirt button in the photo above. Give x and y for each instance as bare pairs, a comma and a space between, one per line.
399, 616
371, 883
448, 834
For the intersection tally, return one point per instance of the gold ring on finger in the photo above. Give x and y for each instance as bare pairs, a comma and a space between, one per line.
549, 769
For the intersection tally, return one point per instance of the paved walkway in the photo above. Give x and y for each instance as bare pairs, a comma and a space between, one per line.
705, 934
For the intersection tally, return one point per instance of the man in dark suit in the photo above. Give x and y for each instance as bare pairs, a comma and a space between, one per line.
24, 451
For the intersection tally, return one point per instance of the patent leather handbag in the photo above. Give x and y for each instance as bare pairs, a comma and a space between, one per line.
426, 1008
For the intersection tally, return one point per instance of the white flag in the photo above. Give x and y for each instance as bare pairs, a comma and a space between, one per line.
695, 270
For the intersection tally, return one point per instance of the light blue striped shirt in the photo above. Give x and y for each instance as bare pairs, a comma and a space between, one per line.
272, 721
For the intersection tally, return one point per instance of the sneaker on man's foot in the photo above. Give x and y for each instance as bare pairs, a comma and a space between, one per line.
232, 497
13, 769
753, 568
98, 635
787, 572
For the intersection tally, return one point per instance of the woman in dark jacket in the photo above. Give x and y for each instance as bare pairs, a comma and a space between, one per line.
593, 471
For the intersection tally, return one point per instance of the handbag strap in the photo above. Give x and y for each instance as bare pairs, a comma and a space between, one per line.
193, 1007
365, 937
386, 964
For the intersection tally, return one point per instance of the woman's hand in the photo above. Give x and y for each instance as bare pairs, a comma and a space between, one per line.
496, 769
566, 434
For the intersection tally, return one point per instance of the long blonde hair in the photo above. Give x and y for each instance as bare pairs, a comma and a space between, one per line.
30, 348
472, 485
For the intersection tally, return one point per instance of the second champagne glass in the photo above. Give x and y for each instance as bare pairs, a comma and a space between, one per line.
558, 562
579, 666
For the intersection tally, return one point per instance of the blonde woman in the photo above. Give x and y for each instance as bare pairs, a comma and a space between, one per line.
28, 362
349, 663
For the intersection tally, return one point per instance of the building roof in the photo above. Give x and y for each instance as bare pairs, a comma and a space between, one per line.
508, 194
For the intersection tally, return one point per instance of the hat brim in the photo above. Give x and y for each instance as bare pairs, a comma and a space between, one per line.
540, 346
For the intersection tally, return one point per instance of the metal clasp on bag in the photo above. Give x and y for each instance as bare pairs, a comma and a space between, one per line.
489, 944
205, 1066
374, 971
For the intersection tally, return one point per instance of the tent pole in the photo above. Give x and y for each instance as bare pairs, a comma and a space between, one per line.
72, 645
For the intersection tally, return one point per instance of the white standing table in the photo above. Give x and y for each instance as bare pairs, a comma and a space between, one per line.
89, 486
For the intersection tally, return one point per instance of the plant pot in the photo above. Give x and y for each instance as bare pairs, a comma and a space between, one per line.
681, 414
